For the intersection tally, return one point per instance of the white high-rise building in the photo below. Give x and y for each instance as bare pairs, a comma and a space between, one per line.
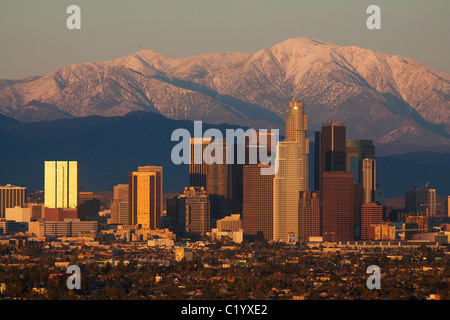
292, 174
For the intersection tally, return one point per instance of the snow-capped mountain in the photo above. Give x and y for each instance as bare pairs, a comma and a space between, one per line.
382, 97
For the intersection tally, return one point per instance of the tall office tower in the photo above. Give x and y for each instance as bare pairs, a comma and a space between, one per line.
369, 180
120, 213
61, 184
359, 200
88, 206
121, 192
219, 181
11, 197
310, 222
379, 194
421, 200
356, 152
297, 131
257, 213
172, 208
287, 184
338, 215
197, 165
145, 200
292, 175
255, 146
197, 208
330, 151
120, 205
371, 214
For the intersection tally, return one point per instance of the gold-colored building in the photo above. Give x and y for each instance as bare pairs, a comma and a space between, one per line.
145, 204
61, 184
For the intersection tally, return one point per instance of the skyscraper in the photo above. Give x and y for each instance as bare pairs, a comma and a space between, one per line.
292, 174
421, 200
257, 214
359, 200
361, 162
371, 214
310, 222
338, 204
330, 150
61, 184
219, 182
369, 180
197, 208
11, 197
356, 152
121, 192
145, 201
88, 206
120, 205
197, 165
297, 131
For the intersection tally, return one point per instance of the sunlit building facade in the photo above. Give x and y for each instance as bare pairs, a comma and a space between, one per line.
61, 184
145, 187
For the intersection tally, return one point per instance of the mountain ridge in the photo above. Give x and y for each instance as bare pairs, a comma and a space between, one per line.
382, 97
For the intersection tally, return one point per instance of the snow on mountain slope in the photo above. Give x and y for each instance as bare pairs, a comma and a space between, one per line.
382, 97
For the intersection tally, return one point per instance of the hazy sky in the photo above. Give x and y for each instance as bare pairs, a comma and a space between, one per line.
34, 39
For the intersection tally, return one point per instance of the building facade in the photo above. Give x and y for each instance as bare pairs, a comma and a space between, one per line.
330, 151
338, 206
371, 214
61, 184
309, 211
257, 213
421, 200
10, 197
292, 174
145, 196
197, 208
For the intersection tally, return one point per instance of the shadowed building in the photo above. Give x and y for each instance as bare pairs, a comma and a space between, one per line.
120, 205
360, 155
197, 165
371, 214
356, 151
219, 180
421, 200
310, 222
257, 213
145, 200
197, 208
88, 206
338, 205
329, 151
359, 200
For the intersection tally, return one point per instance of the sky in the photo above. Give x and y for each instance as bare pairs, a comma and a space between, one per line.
34, 39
